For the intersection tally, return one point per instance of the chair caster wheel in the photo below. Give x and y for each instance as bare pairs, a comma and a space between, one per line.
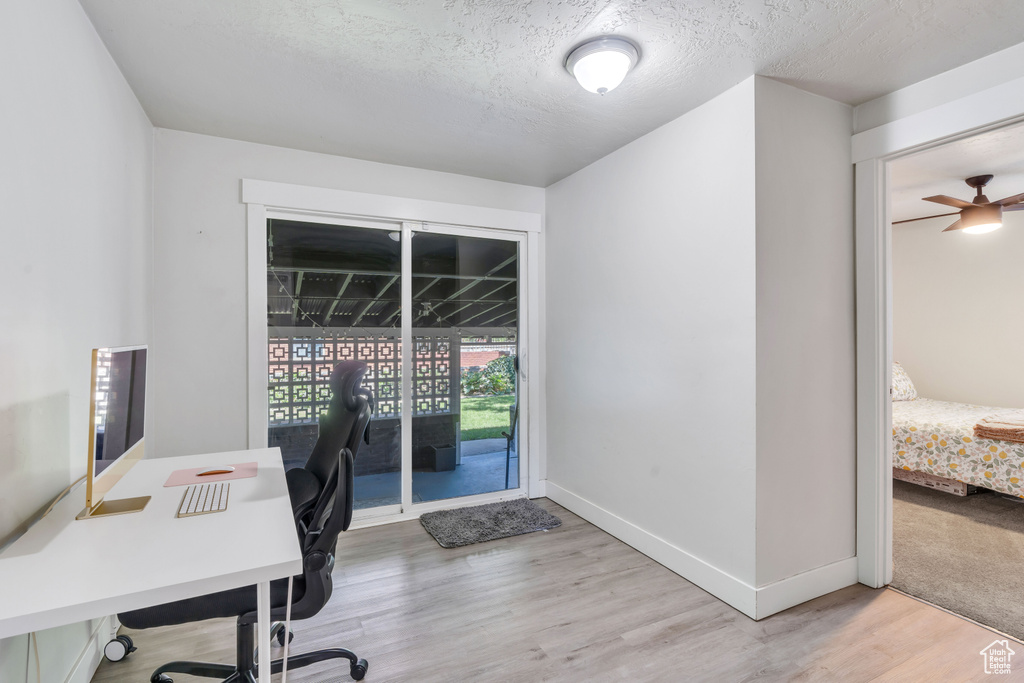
277, 631
118, 648
358, 670
160, 678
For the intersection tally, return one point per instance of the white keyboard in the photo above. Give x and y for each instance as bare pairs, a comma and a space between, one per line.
200, 499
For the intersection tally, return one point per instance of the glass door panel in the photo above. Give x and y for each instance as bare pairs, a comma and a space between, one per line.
465, 337
334, 294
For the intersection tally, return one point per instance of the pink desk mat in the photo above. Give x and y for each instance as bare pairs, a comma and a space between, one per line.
243, 470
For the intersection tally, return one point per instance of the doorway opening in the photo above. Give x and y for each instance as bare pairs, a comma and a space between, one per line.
957, 507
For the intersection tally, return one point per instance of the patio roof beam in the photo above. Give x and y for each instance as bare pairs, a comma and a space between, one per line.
398, 309
433, 282
435, 304
467, 302
474, 283
499, 288
476, 279
504, 263
370, 303
295, 300
391, 273
458, 310
337, 299
361, 299
495, 319
486, 310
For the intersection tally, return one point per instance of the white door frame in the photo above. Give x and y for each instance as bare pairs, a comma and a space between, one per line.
872, 151
264, 199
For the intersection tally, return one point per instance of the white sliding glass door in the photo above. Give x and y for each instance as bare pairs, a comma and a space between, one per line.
464, 318
334, 294
436, 313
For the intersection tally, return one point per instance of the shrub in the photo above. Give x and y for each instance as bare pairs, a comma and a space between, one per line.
498, 378
472, 382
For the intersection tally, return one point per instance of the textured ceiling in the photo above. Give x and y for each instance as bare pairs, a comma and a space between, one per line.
477, 86
942, 171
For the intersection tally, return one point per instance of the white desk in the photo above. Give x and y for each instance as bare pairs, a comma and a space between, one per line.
65, 570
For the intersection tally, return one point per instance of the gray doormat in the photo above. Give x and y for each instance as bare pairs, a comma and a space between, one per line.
465, 526
964, 554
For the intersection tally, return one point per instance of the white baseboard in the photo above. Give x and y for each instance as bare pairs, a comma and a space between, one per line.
805, 586
85, 668
539, 489
728, 588
756, 603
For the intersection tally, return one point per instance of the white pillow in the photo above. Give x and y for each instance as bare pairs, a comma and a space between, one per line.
902, 388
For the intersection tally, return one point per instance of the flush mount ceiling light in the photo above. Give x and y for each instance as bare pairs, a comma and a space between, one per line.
601, 64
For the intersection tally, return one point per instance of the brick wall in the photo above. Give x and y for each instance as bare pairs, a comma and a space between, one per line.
478, 359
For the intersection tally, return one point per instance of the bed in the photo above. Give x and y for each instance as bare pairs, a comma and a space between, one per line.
936, 439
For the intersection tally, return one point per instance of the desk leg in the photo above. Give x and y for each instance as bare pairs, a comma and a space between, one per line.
263, 629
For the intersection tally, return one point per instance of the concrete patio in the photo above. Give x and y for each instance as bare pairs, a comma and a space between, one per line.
482, 471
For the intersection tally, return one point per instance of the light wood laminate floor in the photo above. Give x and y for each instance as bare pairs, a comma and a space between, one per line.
575, 604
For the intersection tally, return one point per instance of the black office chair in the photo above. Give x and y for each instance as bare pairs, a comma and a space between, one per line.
310, 592
345, 426
325, 517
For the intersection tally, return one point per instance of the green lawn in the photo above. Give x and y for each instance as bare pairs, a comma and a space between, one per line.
485, 417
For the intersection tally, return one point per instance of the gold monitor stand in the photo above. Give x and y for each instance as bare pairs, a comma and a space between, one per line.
114, 507
96, 489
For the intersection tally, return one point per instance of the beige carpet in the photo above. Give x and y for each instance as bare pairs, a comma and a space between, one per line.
964, 554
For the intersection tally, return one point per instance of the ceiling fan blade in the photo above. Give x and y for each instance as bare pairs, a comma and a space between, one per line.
949, 201
1015, 199
1013, 207
938, 215
959, 225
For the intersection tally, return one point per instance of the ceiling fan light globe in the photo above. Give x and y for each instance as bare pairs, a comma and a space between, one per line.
978, 220
982, 228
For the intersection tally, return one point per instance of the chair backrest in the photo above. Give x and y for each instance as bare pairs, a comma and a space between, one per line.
333, 511
346, 421
331, 515
332, 461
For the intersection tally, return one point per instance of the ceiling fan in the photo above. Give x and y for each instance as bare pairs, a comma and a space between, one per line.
979, 215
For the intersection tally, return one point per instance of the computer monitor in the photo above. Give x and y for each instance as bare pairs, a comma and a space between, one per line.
117, 419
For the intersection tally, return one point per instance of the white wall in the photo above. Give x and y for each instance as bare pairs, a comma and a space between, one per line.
75, 186
806, 383
200, 334
957, 323
650, 328
700, 346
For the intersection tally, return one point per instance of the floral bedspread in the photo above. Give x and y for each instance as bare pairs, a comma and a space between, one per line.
937, 437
